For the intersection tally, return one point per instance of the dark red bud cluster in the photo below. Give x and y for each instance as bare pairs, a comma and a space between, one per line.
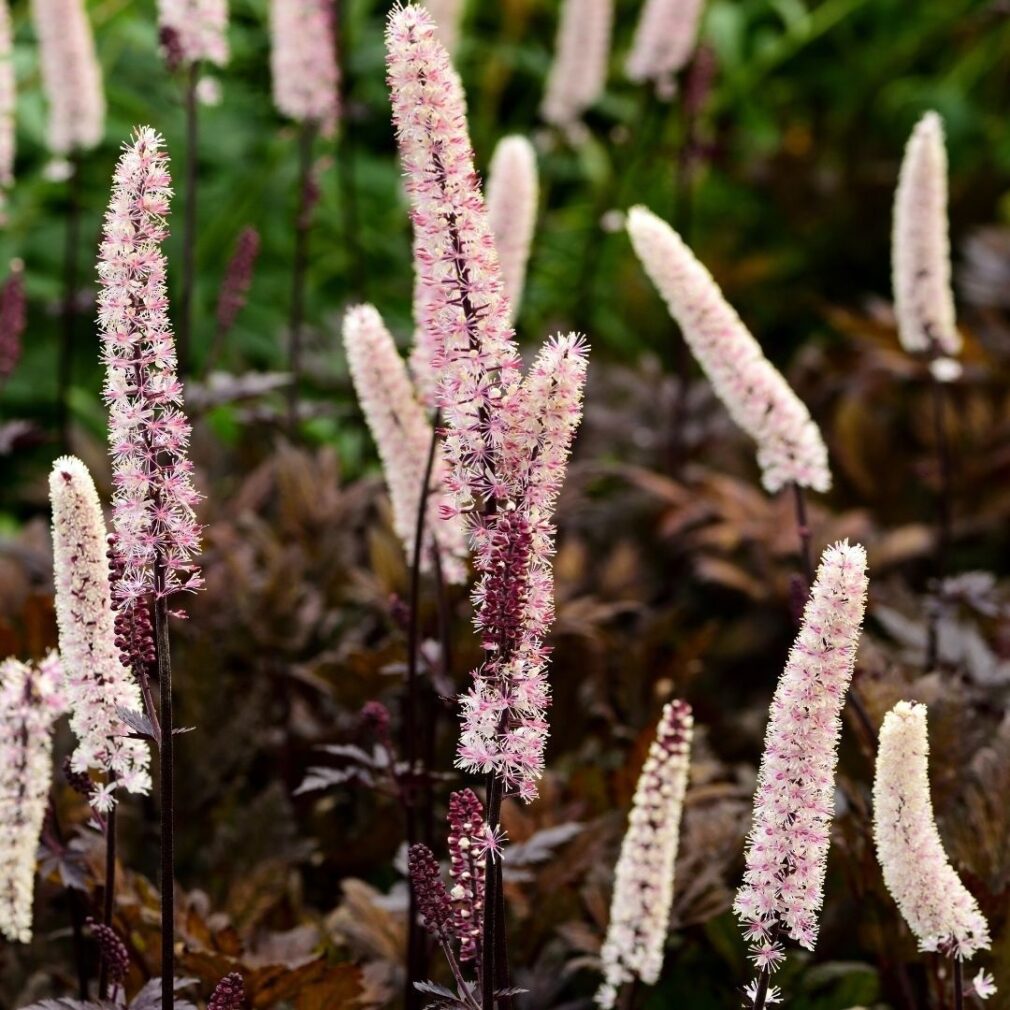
112, 951
466, 823
133, 625
505, 589
433, 901
229, 993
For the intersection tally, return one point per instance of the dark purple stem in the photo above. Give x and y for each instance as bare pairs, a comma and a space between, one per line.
185, 324
167, 799
803, 529
303, 221
944, 511
71, 256
109, 897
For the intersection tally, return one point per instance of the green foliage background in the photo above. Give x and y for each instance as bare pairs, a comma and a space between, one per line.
811, 106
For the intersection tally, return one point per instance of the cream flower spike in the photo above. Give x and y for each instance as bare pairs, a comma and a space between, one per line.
512, 194
790, 448
920, 248
938, 908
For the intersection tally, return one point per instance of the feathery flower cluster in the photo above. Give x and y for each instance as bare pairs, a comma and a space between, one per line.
643, 880
920, 246
237, 279
447, 14
30, 702
466, 865
199, 29
938, 908
582, 51
228, 994
507, 440
433, 903
758, 398
303, 61
97, 683
157, 533
505, 727
71, 75
787, 847
8, 104
12, 319
403, 435
665, 38
512, 194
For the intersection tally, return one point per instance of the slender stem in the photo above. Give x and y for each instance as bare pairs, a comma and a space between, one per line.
803, 529
76, 914
944, 512
958, 984
71, 256
761, 994
303, 221
457, 974
416, 946
109, 897
346, 164
184, 335
492, 878
167, 802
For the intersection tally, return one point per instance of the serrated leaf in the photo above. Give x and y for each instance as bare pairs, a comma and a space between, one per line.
137, 721
323, 778
434, 989
349, 750
149, 997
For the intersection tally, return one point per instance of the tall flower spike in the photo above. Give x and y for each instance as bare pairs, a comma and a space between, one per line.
199, 27
787, 847
643, 881
30, 702
12, 320
97, 683
582, 51
789, 444
403, 436
433, 904
920, 246
491, 417
303, 61
512, 195
157, 535
665, 38
464, 311
466, 836
514, 595
8, 105
71, 75
936, 905
447, 14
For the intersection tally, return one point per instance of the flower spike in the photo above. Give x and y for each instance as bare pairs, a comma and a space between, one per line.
643, 880
758, 398
665, 38
303, 61
157, 535
938, 908
923, 299
787, 848
98, 686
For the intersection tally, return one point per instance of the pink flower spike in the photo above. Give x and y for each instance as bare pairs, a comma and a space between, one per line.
303, 61
199, 29
8, 105
97, 684
939, 909
30, 703
665, 39
644, 878
920, 247
512, 194
157, 535
787, 847
403, 435
578, 74
71, 76
790, 446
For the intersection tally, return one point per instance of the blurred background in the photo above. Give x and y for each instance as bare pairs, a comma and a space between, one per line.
777, 158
